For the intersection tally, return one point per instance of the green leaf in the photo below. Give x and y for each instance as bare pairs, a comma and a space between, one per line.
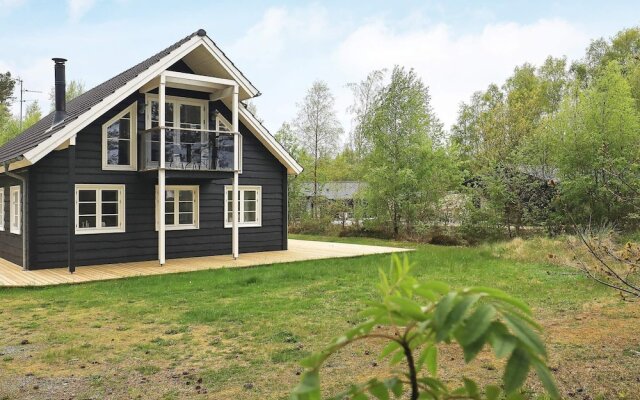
435, 286
501, 340
471, 350
471, 387
399, 356
516, 371
525, 334
443, 308
389, 348
379, 391
408, 307
455, 316
312, 361
477, 324
308, 388
502, 296
492, 392
432, 360
395, 385
546, 378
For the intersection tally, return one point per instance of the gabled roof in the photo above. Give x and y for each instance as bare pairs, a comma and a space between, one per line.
40, 139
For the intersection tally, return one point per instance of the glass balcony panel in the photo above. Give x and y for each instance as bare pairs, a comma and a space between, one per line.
188, 149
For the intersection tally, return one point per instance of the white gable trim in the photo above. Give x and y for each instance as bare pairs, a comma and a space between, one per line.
269, 141
45, 147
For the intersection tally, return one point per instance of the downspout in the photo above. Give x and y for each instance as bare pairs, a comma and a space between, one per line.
23, 209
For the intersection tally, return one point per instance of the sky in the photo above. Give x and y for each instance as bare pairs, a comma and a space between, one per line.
456, 47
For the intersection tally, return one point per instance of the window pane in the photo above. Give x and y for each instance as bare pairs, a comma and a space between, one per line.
123, 152
170, 195
168, 219
109, 195
250, 195
87, 209
110, 208
249, 205
87, 221
186, 195
169, 207
113, 130
87, 195
250, 216
185, 219
229, 217
190, 116
186, 207
109, 221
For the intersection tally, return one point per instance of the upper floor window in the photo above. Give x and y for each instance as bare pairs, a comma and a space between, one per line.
119, 141
15, 210
223, 125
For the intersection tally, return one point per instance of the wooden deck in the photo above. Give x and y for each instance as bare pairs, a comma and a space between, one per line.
299, 250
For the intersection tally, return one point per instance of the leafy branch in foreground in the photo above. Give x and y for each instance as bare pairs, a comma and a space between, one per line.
415, 317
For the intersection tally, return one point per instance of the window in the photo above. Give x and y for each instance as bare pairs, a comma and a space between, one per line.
15, 210
119, 141
250, 206
222, 125
181, 207
1, 209
188, 115
100, 209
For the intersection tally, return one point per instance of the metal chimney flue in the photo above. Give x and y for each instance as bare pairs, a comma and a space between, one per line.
60, 91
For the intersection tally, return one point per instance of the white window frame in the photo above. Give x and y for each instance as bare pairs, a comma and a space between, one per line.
2, 209
177, 101
98, 229
196, 208
220, 119
15, 209
133, 140
241, 190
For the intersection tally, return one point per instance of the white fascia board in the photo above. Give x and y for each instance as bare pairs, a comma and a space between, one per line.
192, 79
15, 165
229, 66
59, 137
293, 168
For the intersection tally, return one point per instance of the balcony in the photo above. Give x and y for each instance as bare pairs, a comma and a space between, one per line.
188, 150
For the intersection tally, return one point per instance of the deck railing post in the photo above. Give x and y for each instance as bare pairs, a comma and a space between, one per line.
161, 172
235, 240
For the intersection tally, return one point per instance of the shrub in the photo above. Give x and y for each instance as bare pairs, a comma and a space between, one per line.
415, 317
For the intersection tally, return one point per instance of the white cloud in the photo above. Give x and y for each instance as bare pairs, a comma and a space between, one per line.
456, 66
279, 30
78, 8
6, 6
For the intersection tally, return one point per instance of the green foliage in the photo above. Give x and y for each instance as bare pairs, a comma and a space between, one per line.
415, 317
597, 141
407, 174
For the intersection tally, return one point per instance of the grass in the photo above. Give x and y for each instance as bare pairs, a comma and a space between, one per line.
239, 333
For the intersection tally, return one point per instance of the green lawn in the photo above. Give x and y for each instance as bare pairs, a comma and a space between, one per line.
235, 332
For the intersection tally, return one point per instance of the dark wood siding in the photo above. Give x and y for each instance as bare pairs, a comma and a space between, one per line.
140, 241
10, 243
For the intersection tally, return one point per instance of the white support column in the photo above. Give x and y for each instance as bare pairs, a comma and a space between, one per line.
161, 172
235, 240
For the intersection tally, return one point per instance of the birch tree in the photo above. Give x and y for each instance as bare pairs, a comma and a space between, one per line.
319, 131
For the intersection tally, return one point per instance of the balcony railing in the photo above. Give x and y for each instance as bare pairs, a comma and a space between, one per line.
188, 149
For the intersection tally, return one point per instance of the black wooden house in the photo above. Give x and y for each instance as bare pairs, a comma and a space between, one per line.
146, 166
